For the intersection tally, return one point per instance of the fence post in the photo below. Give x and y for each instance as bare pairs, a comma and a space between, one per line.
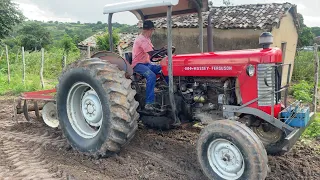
41, 69
7, 55
88, 51
316, 78
24, 66
1, 55
64, 62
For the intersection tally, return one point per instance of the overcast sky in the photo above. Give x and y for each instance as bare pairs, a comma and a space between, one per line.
91, 11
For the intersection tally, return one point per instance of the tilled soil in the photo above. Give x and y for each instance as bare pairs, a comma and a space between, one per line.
31, 150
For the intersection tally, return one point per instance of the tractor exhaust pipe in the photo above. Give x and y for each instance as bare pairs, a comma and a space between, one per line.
209, 32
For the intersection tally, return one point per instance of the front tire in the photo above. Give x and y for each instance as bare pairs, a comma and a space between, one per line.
96, 107
230, 150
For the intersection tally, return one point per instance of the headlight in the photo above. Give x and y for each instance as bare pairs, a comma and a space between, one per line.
250, 70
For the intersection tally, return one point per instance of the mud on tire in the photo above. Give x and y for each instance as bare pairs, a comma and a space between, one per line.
117, 118
230, 147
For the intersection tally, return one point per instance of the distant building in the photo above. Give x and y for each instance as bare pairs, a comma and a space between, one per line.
125, 43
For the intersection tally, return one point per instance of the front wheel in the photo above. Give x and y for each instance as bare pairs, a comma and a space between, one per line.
230, 150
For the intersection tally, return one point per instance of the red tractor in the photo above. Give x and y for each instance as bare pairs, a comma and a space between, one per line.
237, 94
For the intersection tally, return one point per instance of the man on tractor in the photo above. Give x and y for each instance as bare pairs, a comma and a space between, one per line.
142, 50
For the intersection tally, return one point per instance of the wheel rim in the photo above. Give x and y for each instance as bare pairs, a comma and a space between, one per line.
267, 135
225, 159
84, 110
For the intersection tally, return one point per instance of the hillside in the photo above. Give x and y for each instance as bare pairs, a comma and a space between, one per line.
77, 31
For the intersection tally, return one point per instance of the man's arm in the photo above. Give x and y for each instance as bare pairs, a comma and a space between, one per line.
148, 48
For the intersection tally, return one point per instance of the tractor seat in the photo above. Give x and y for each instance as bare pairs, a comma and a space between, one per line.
128, 57
137, 76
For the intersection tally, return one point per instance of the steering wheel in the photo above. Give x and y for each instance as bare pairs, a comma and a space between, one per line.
161, 54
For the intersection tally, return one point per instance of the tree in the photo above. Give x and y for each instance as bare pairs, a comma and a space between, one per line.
301, 20
10, 16
67, 44
226, 2
305, 34
316, 31
34, 36
306, 37
103, 40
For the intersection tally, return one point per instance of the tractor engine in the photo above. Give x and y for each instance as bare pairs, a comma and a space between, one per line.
205, 96
197, 98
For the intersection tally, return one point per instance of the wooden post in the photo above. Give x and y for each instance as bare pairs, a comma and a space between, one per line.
88, 51
316, 78
24, 66
1, 55
41, 69
8, 63
17, 56
64, 63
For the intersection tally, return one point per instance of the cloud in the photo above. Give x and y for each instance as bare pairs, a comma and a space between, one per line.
33, 12
92, 11
71, 10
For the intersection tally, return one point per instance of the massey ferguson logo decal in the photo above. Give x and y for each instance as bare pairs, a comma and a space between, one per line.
206, 68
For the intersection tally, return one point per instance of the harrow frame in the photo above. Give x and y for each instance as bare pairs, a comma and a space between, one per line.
34, 96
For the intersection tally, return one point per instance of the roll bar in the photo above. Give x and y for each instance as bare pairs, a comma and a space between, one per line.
153, 9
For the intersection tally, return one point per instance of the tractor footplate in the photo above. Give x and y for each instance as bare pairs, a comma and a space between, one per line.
151, 113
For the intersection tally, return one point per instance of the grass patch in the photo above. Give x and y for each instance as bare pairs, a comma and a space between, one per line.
51, 72
313, 131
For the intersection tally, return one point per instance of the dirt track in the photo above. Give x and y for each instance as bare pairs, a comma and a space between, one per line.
31, 150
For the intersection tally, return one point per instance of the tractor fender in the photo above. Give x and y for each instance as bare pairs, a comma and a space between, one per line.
114, 58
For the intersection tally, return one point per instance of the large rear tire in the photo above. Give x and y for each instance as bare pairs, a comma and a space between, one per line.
96, 107
230, 150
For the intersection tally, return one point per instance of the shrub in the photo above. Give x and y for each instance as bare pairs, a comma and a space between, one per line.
313, 131
303, 91
303, 68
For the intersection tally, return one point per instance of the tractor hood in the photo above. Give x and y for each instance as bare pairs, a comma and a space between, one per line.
223, 63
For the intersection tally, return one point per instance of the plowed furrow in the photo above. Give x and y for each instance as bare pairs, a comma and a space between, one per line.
21, 162
6, 124
44, 139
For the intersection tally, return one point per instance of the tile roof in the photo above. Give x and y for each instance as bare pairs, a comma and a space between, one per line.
249, 16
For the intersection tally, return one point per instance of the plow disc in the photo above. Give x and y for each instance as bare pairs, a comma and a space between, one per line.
35, 102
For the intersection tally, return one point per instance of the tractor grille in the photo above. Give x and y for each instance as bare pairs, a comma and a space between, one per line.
266, 71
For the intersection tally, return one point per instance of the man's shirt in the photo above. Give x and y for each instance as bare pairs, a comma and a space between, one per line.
141, 46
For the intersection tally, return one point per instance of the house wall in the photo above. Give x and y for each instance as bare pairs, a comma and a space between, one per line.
286, 33
186, 40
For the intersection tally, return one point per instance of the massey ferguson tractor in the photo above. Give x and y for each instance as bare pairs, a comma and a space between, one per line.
238, 95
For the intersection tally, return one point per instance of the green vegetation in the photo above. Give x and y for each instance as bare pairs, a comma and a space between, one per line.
10, 16
103, 40
316, 31
52, 69
303, 91
313, 131
303, 76
57, 38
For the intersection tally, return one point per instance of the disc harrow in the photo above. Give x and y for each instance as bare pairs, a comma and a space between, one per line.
35, 102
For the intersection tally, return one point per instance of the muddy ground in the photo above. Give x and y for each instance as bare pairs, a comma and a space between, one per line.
31, 150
